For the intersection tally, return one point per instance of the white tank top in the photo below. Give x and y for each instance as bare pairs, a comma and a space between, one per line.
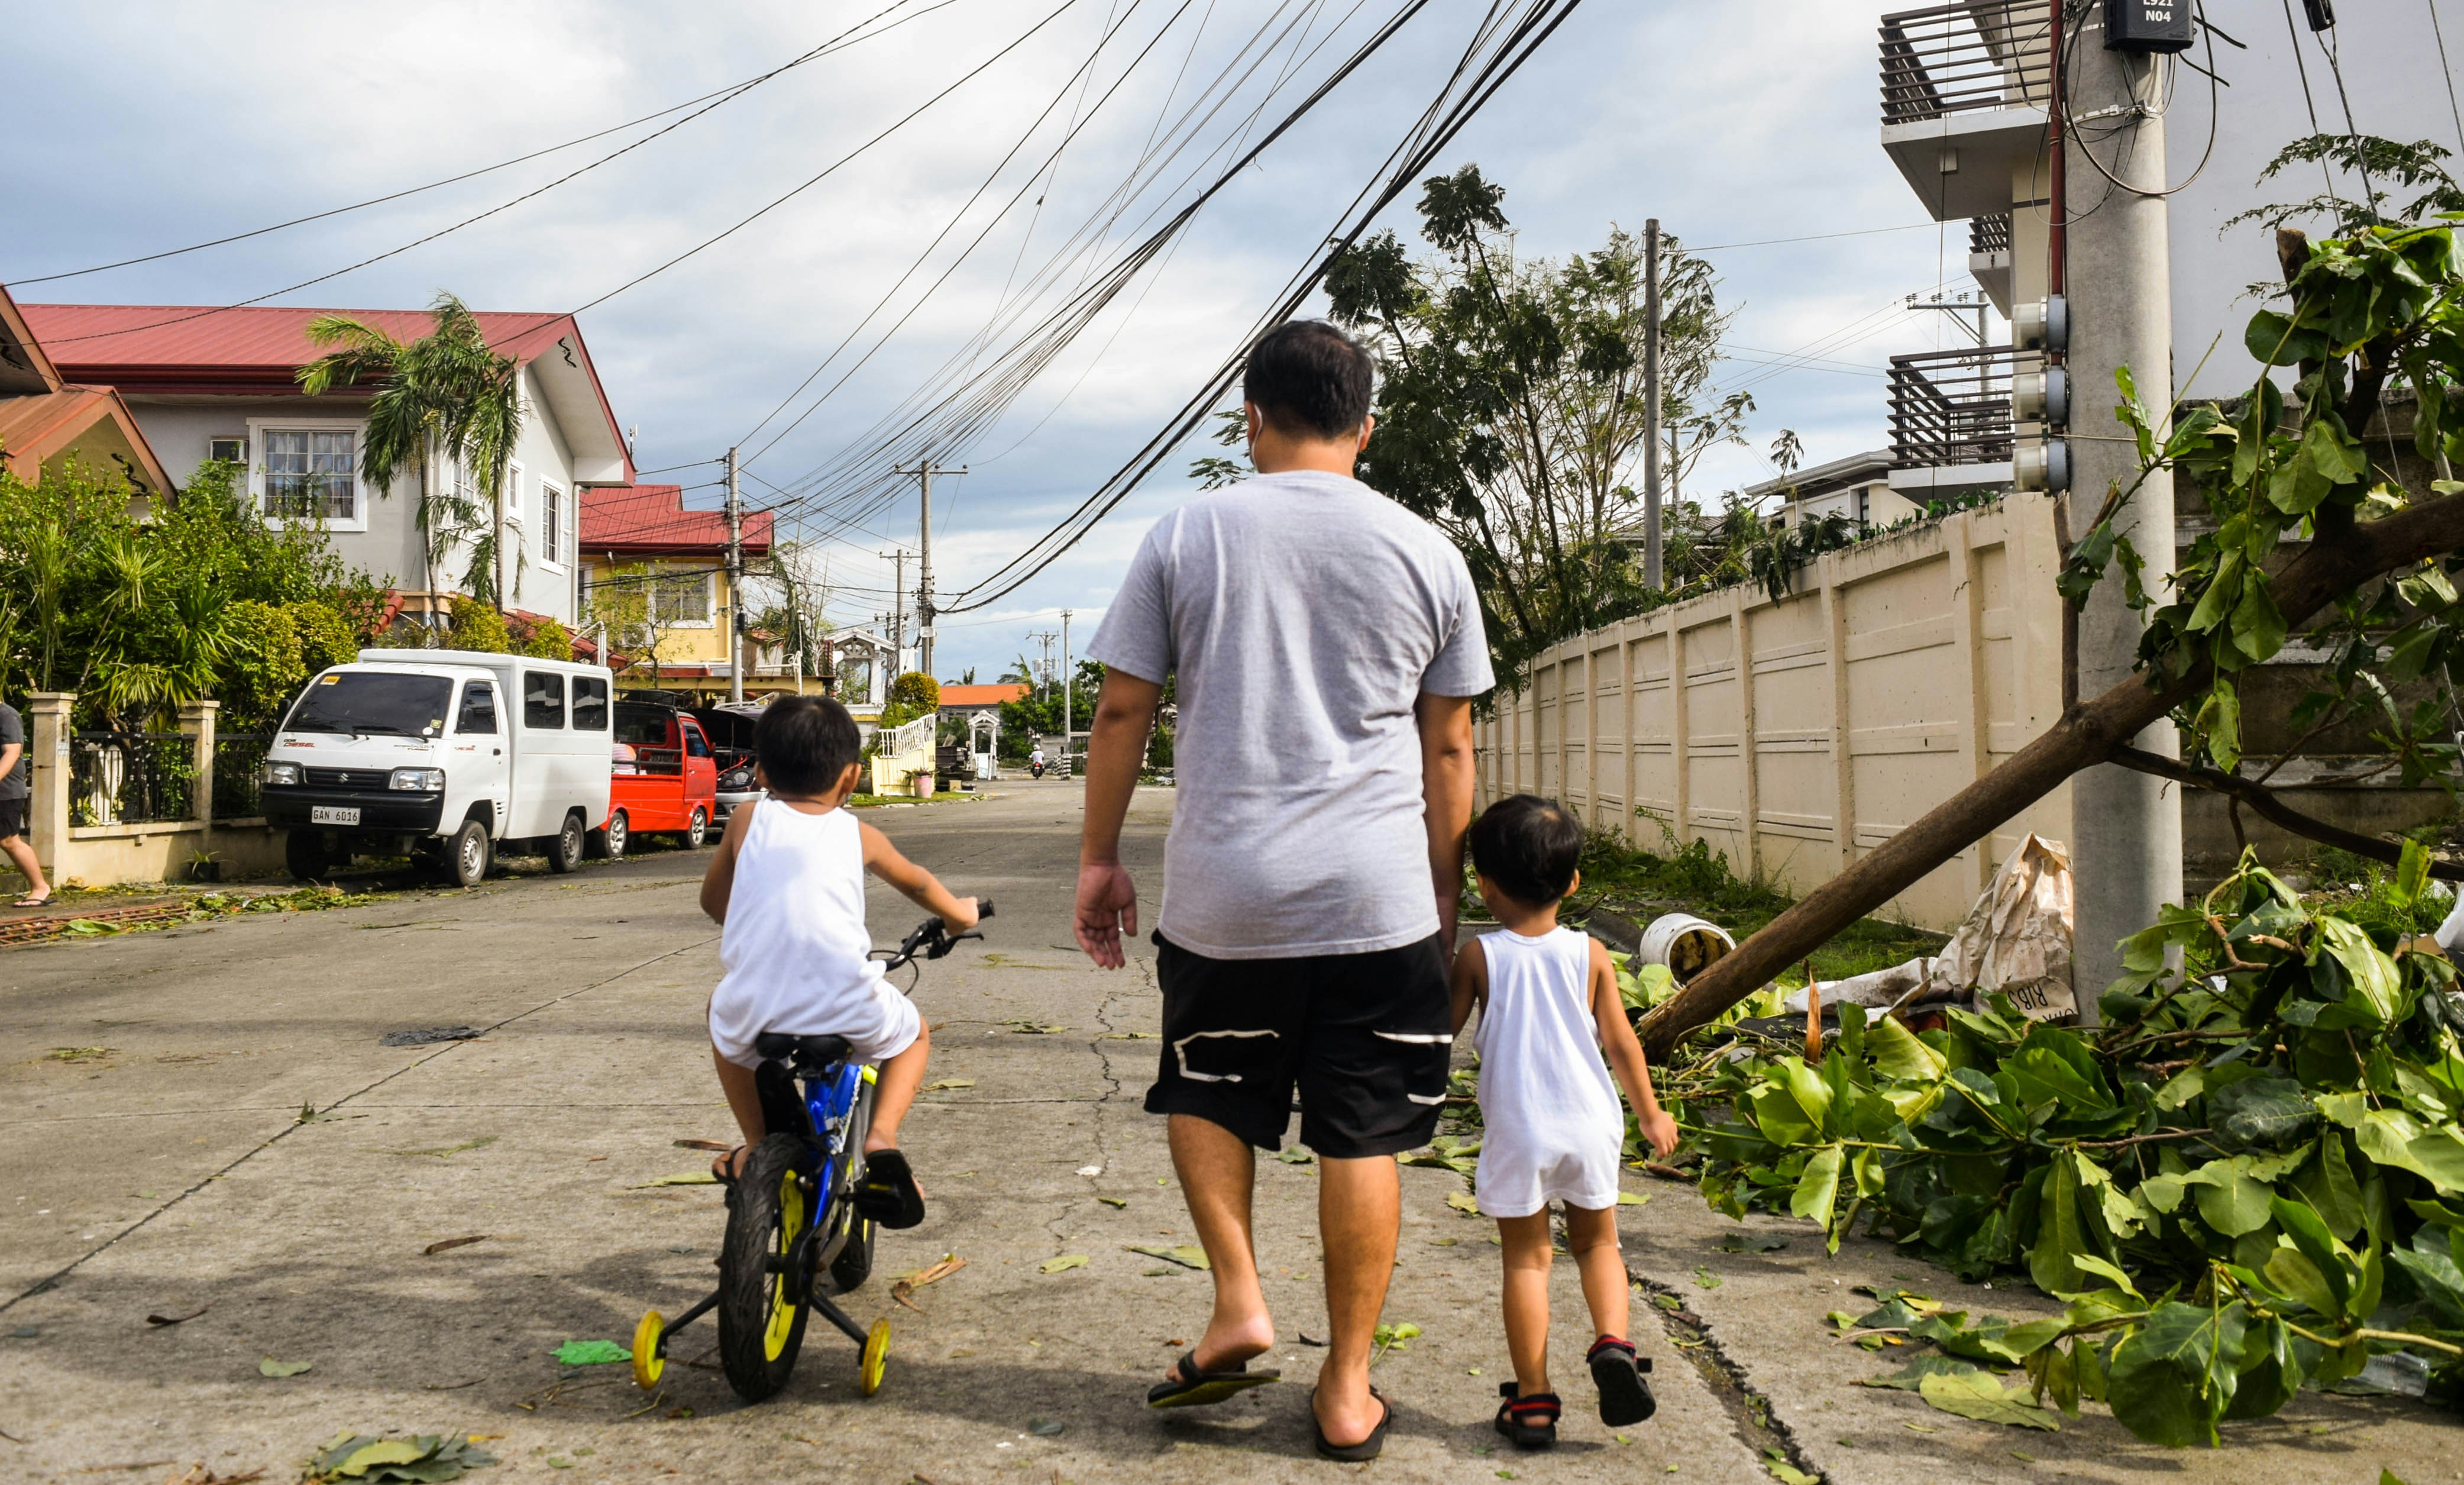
795, 949
1543, 1081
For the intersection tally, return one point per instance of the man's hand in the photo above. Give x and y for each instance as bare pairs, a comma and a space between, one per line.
1107, 907
1659, 1129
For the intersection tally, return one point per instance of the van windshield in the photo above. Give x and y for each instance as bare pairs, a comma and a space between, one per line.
364, 701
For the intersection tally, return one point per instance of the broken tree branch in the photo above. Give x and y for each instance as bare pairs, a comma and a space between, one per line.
2335, 564
2269, 806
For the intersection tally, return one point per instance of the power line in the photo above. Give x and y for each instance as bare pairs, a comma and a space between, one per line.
2446, 72
724, 95
1765, 242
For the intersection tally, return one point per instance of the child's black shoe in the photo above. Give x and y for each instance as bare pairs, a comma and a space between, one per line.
1530, 1421
1625, 1392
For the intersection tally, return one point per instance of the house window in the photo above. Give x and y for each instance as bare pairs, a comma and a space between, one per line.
551, 524
230, 449
310, 473
680, 598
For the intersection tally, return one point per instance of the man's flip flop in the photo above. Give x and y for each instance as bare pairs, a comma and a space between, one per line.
727, 1167
45, 901
888, 1193
1367, 1448
1191, 1388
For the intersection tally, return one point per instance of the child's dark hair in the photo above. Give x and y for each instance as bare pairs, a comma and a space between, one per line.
1529, 847
805, 742
1310, 379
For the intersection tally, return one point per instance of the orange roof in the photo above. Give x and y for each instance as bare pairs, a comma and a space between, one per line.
981, 695
652, 520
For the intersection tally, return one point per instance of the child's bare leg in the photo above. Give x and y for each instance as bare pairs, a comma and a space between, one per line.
1525, 1241
894, 1088
1592, 1238
744, 1100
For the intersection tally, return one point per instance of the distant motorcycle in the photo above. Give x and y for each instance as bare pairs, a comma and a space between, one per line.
1038, 769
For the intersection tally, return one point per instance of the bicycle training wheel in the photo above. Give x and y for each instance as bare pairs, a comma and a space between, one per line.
648, 1362
761, 1307
876, 1357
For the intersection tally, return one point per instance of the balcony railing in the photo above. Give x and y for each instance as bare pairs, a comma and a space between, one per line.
1952, 406
1954, 58
1989, 234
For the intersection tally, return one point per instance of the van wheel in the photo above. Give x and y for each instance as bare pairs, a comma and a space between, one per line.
565, 853
697, 829
608, 842
303, 853
467, 855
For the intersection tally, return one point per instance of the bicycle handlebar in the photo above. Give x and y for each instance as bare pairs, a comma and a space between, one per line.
932, 938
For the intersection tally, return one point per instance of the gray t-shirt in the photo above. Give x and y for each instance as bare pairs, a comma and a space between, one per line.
1303, 613
12, 783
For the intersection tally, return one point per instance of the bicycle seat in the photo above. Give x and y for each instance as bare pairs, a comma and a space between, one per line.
804, 1052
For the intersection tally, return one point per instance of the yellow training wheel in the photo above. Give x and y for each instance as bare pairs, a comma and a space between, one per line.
876, 1355
647, 1364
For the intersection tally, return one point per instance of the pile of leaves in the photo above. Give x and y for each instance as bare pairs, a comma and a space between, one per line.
420, 1460
2250, 1177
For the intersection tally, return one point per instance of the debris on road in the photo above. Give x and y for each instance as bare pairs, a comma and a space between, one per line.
1684, 944
447, 1151
1113, 1201
1046, 1427
1981, 1396
1027, 1027
418, 1460
1189, 1255
177, 1320
716, 1146
1745, 1242
428, 1034
948, 1084
689, 1178
270, 1368
452, 1243
1393, 1338
1063, 1264
899, 1292
590, 1353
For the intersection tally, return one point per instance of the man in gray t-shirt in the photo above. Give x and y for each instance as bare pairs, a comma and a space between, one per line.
12, 809
1327, 646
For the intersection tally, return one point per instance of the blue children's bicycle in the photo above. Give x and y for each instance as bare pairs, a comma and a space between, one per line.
794, 1235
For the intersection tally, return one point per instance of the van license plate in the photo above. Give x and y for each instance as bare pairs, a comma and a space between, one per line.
332, 814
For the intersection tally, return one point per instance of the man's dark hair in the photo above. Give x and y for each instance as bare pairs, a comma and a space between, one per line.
805, 742
1529, 847
1309, 378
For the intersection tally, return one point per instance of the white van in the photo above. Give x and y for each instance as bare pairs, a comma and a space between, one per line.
450, 755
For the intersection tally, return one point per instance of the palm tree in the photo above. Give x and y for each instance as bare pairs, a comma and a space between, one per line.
444, 395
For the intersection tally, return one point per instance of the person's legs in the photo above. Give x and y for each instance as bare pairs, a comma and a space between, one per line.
1359, 1213
744, 1101
894, 1088
1592, 1238
21, 855
1218, 1171
1526, 1297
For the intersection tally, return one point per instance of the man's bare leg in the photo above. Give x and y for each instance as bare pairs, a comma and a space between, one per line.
1359, 1215
21, 855
1218, 1171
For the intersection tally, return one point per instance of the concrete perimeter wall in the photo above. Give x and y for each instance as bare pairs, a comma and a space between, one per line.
1792, 737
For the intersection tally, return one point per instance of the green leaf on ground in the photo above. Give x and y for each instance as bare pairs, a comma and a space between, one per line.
1394, 1337
1912, 1377
1983, 1398
1046, 1427
1063, 1264
1632, 1198
1294, 1155
1462, 1202
689, 1178
270, 1368
1024, 1027
948, 1084
591, 1353
1785, 1473
1189, 1255
420, 1460
1705, 1279
1112, 1201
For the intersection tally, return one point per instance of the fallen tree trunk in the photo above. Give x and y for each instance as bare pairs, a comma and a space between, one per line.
2336, 563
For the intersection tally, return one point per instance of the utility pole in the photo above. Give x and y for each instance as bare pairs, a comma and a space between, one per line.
734, 584
1651, 403
898, 612
1046, 637
924, 471
2127, 827
1069, 723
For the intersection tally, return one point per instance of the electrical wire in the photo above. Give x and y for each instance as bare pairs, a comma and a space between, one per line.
839, 42
1439, 125
2446, 72
2139, 111
724, 95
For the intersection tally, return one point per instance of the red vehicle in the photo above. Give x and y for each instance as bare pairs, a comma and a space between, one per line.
664, 777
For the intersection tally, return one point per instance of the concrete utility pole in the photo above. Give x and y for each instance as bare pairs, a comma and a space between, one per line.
2127, 827
1068, 725
1651, 403
924, 471
734, 585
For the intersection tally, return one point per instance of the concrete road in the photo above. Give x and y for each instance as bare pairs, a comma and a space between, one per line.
156, 1163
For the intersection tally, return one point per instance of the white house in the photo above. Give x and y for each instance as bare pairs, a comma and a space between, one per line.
207, 383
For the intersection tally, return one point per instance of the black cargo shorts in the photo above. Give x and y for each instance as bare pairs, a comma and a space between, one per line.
1365, 1038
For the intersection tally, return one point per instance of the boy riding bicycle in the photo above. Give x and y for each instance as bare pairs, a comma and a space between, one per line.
787, 885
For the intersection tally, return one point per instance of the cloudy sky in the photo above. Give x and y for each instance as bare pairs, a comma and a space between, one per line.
165, 126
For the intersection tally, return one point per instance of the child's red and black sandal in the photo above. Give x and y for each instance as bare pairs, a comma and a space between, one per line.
1625, 1390
1528, 1421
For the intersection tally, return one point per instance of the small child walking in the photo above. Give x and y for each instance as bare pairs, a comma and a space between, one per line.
1548, 1005
787, 885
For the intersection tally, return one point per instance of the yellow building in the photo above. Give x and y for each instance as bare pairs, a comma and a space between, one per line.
654, 573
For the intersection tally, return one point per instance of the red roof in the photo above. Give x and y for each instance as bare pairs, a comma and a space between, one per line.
652, 520
90, 337
981, 695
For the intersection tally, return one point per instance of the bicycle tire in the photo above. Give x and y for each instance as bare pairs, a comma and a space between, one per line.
853, 1266
762, 1313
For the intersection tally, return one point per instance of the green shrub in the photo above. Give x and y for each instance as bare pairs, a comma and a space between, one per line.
478, 625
